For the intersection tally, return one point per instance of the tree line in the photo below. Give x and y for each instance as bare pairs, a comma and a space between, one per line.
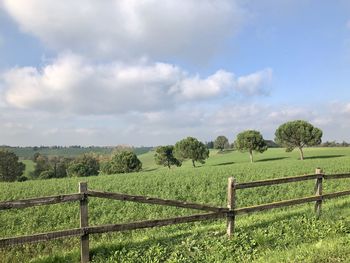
291, 135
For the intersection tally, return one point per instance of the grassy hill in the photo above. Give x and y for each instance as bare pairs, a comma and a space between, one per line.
282, 235
26, 153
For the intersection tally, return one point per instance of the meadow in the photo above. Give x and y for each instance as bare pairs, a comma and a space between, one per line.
282, 235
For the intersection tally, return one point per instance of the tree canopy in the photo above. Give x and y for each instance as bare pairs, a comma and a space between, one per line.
10, 168
191, 148
298, 134
50, 167
165, 156
122, 162
250, 141
221, 143
84, 165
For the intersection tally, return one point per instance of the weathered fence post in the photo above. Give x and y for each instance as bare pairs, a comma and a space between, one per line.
231, 196
318, 191
84, 222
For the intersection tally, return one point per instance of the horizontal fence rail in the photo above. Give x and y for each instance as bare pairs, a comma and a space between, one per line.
278, 181
108, 228
154, 201
336, 176
49, 200
216, 212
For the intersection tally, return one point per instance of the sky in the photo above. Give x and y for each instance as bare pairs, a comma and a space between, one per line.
147, 72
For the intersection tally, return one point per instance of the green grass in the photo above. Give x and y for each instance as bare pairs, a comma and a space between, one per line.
29, 167
283, 235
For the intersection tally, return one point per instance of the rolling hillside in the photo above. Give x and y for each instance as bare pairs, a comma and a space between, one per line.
282, 235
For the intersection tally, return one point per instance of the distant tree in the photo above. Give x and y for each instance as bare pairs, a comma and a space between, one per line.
250, 141
35, 156
122, 162
298, 134
191, 148
165, 156
41, 165
221, 143
10, 168
84, 165
210, 145
59, 166
50, 167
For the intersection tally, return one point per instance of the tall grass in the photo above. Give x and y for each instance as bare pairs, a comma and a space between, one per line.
276, 235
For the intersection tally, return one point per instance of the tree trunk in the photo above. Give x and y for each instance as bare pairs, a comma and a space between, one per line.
168, 164
194, 165
301, 153
251, 156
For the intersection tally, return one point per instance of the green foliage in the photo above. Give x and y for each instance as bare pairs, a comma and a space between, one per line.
210, 145
10, 168
85, 165
191, 148
221, 143
122, 162
164, 156
50, 167
298, 134
250, 141
68, 152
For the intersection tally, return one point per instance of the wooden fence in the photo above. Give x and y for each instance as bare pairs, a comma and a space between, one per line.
214, 212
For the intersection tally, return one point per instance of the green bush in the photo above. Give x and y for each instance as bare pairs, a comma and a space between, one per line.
85, 165
122, 162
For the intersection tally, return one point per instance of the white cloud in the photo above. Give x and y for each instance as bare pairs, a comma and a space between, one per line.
255, 83
72, 84
130, 28
166, 126
216, 84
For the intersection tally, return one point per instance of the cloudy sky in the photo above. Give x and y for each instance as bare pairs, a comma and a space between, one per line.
150, 72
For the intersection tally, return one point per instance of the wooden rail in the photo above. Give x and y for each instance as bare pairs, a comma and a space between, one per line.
216, 212
155, 201
83, 231
49, 200
278, 181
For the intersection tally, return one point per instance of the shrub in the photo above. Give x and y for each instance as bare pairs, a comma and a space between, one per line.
122, 162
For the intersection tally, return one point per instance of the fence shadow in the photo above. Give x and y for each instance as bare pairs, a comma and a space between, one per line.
324, 156
226, 163
150, 169
225, 151
271, 159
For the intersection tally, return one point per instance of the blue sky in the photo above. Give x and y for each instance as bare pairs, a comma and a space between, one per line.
151, 73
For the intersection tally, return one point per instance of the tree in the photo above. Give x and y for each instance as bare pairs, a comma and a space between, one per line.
10, 168
122, 162
50, 167
191, 148
210, 145
84, 165
298, 134
41, 165
221, 143
165, 156
250, 141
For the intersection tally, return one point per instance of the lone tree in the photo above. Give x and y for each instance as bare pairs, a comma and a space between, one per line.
123, 161
221, 143
85, 165
10, 168
250, 141
165, 156
297, 134
191, 148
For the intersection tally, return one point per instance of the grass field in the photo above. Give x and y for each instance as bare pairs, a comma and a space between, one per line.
282, 235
